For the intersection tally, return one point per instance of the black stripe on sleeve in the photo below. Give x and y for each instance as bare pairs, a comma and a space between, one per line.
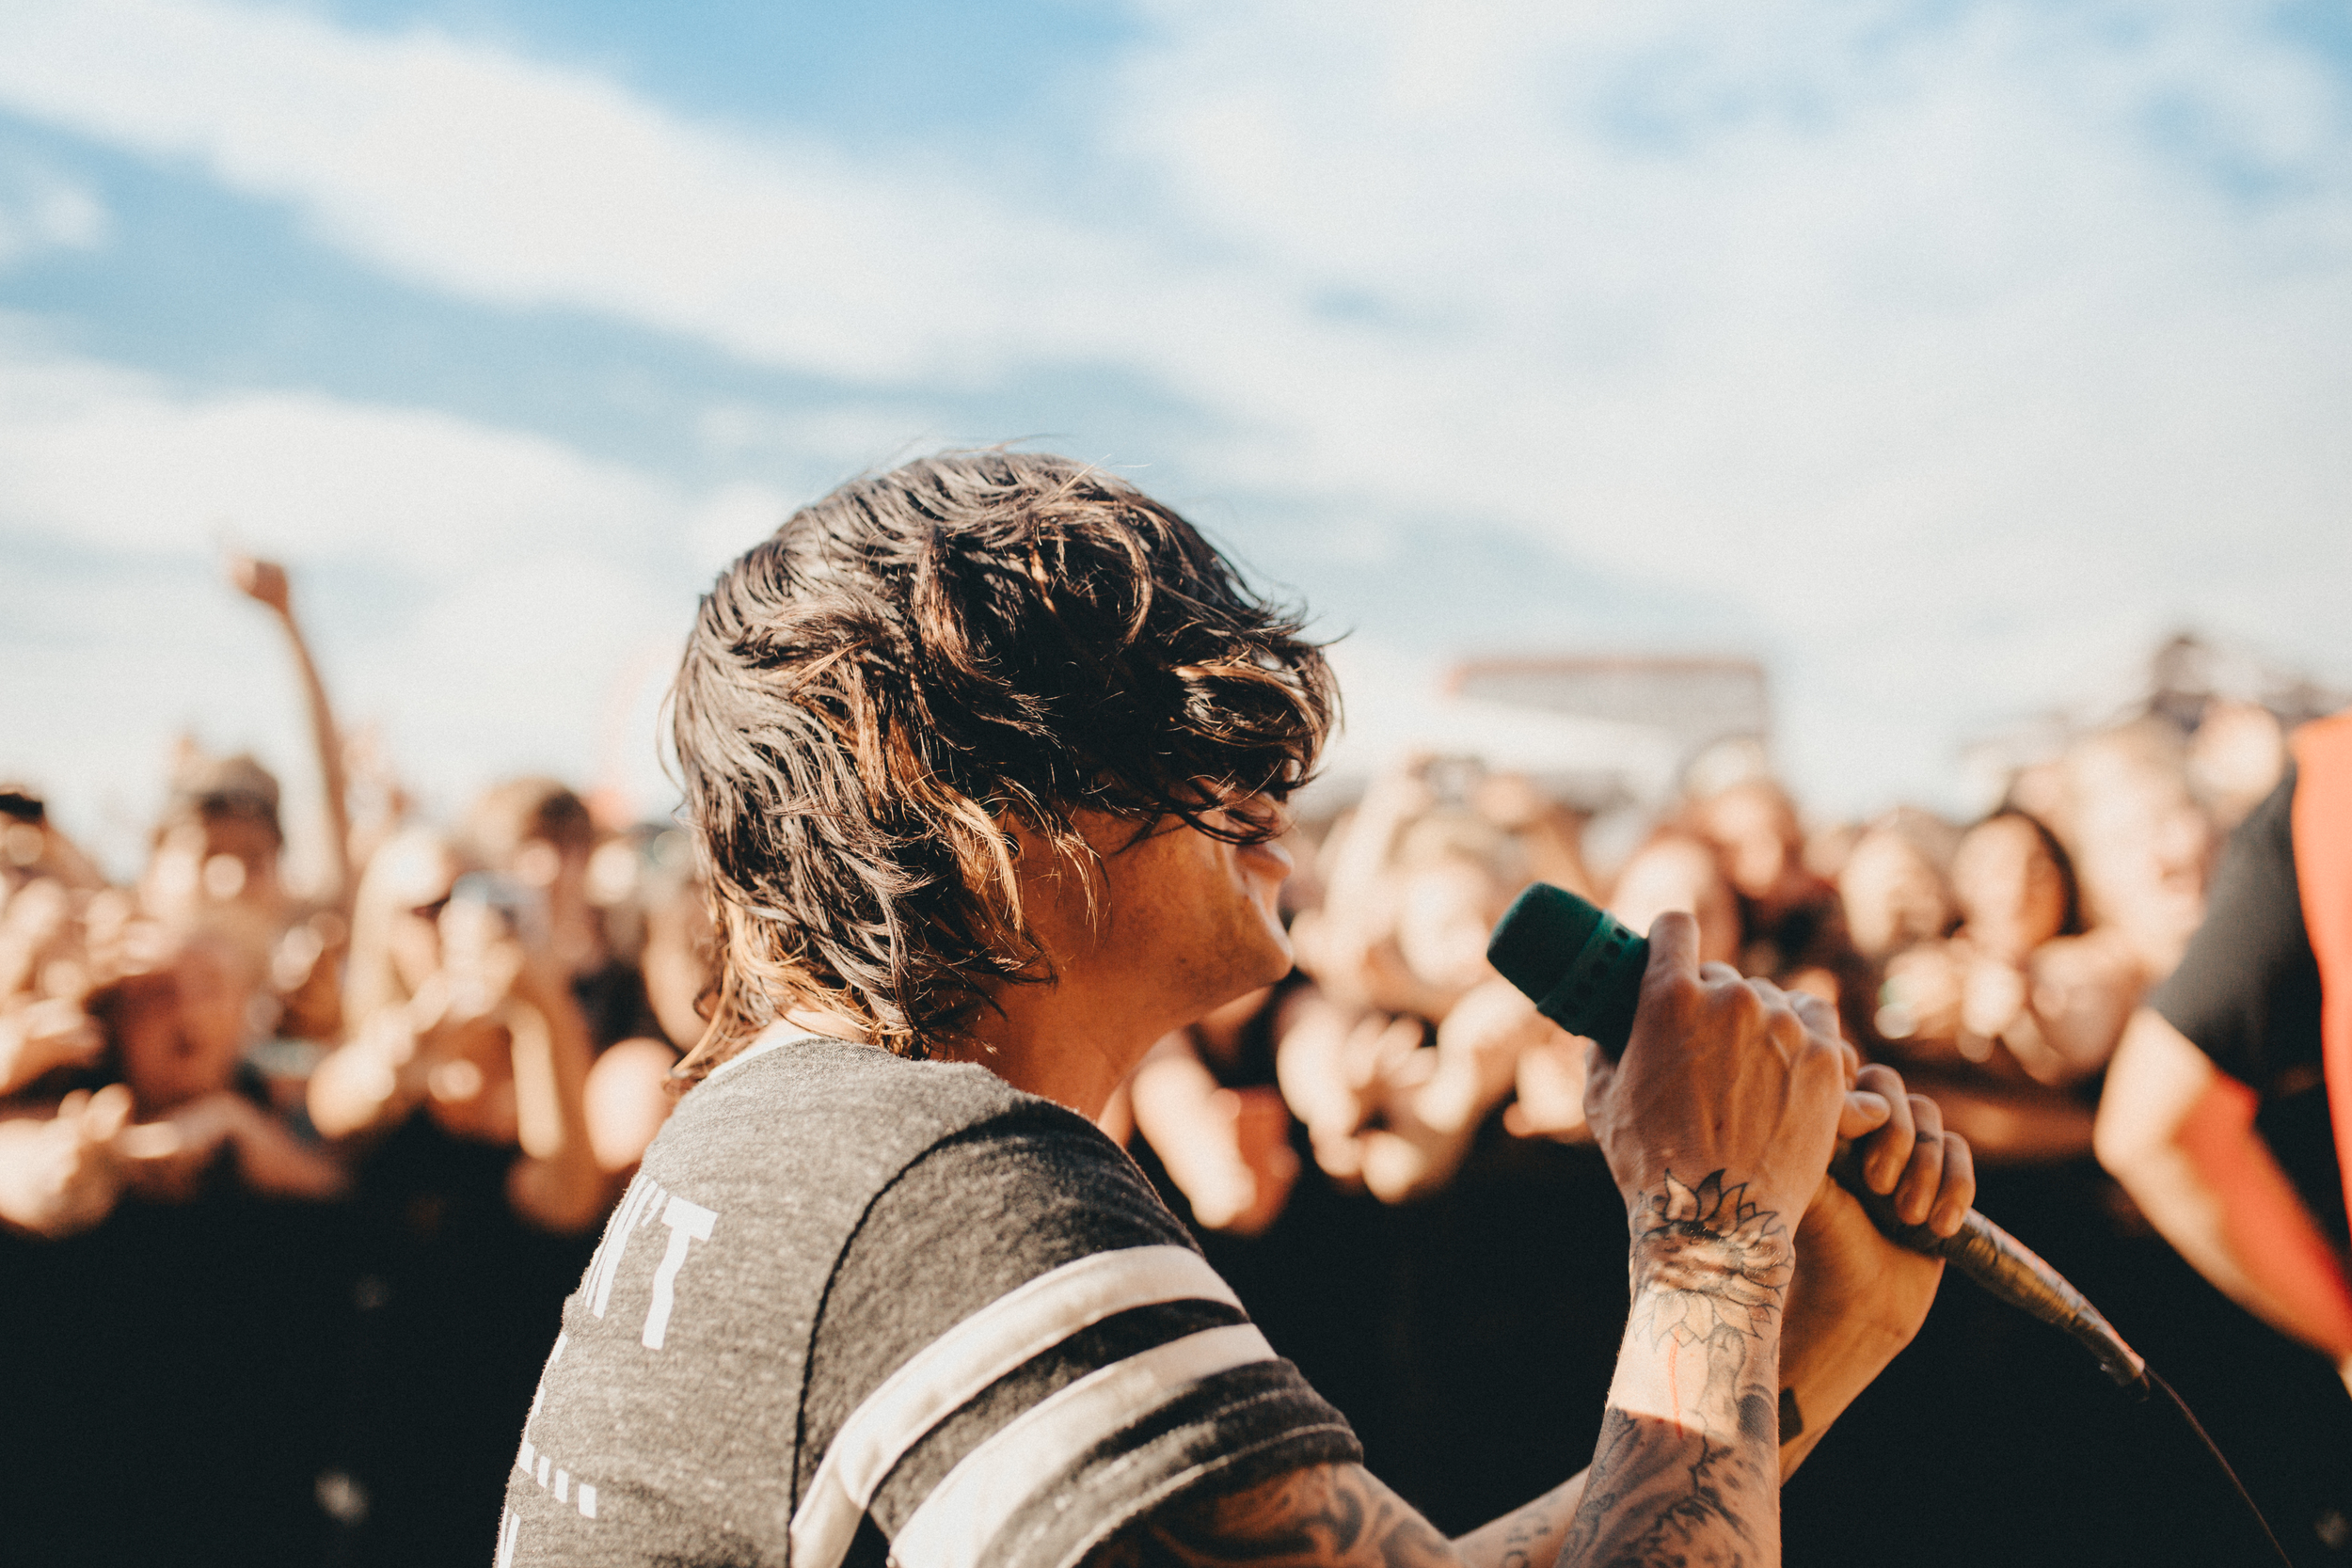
1231, 1430
969, 1221
1089, 1349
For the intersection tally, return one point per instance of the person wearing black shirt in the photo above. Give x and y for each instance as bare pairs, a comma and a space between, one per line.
2215, 1117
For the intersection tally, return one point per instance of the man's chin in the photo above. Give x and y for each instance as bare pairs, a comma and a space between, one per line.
1278, 960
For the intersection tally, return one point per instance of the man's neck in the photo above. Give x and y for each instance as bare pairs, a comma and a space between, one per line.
1064, 1040
1073, 1053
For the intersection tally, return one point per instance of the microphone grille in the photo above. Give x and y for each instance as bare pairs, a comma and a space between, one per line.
1583, 968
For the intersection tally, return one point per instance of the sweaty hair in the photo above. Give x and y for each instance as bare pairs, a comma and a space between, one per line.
872, 695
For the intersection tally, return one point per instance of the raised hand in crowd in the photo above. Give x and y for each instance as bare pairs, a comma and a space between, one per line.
265, 583
61, 1174
37, 1037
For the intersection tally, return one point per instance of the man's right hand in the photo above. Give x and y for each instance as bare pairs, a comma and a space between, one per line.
1723, 1075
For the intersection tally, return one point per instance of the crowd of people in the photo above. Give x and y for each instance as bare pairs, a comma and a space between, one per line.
291, 1188
294, 1187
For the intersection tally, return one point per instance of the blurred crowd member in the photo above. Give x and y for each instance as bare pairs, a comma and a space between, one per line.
122, 1048
1677, 871
2237, 757
2141, 843
214, 853
1550, 833
2217, 1113
162, 1231
45, 973
32, 848
1790, 920
1228, 1149
460, 1098
1894, 882
630, 1087
539, 832
214, 857
2017, 1004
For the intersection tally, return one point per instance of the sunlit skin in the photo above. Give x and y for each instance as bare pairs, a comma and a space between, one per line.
1675, 871
414, 935
1178, 923
227, 860
180, 1032
1755, 829
1893, 895
2142, 846
2010, 891
1444, 913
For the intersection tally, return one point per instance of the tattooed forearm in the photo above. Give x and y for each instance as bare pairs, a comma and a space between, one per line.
1321, 1514
1686, 1470
1529, 1536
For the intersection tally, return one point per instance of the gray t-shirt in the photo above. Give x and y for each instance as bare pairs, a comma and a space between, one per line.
854, 1305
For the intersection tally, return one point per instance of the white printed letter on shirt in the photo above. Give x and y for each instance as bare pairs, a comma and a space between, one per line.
689, 1223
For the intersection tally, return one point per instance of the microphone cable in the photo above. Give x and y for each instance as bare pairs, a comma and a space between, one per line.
2272, 1551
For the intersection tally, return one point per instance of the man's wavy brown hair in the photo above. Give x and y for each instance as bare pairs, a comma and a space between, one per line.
872, 696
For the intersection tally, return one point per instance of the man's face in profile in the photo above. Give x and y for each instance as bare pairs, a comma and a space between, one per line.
1184, 914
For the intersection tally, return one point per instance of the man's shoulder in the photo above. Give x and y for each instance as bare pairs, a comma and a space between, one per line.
804, 1107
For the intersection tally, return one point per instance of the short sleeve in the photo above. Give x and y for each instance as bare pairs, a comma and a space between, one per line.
1021, 1350
2247, 992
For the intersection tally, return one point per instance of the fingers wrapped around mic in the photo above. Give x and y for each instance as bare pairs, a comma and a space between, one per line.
1722, 1076
1931, 1173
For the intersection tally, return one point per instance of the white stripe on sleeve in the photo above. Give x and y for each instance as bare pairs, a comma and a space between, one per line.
958, 1521
997, 1339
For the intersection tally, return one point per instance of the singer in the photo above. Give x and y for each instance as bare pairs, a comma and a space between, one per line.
987, 756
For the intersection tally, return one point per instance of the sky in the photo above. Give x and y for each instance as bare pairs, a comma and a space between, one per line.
1943, 355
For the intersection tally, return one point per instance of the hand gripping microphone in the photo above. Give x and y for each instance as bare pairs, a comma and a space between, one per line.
1583, 969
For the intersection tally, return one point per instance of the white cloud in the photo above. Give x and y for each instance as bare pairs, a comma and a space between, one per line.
471, 170
480, 591
1953, 344
1933, 339
119, 460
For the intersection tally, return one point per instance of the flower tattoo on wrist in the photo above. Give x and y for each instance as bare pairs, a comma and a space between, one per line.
1704, 1260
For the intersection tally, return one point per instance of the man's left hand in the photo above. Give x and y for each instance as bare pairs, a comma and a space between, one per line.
1858, 1298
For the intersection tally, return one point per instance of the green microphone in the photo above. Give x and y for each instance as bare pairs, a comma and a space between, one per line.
1583, 968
